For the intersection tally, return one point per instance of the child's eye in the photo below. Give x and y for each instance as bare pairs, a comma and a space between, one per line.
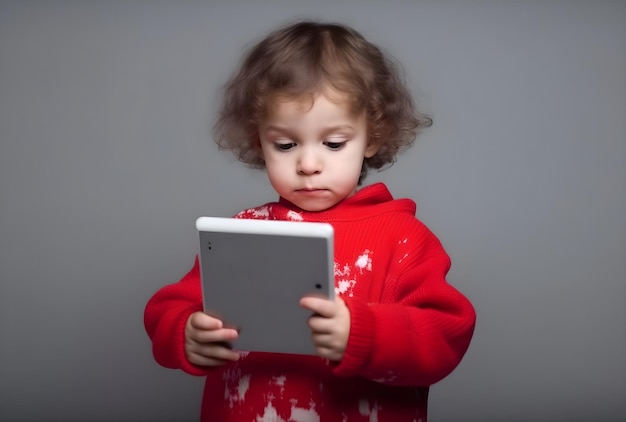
335, 146
284, 147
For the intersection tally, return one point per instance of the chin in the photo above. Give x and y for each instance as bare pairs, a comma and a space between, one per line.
315, 207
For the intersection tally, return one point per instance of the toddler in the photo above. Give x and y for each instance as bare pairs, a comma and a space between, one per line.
316, 105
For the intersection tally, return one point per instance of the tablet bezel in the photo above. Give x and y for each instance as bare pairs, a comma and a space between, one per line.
283, 248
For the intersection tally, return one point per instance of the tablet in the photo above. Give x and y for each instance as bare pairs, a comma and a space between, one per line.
254, 273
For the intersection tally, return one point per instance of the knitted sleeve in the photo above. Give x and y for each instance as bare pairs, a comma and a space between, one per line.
422, 326
165, 317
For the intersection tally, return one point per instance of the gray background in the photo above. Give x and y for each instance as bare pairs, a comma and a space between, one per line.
106, 161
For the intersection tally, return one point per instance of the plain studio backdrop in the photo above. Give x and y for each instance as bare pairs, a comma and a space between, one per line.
106, 159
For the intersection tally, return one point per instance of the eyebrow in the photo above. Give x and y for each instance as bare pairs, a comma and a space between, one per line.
325, 131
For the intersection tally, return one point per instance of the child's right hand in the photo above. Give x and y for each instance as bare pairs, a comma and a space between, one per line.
207, 341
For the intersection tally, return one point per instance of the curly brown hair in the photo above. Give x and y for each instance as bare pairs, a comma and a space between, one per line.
306, 58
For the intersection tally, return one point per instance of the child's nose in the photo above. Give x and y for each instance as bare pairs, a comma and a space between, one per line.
309, 163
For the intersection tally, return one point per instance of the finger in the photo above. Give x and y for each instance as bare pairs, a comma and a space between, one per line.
218, 351
324, 307
325, 340
204, 361
212, 355
329, 353
321, 325
202, 321
214, 336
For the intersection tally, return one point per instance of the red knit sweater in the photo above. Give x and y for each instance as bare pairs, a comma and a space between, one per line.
409, 327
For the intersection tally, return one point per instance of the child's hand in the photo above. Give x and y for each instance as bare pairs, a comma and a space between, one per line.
206, 341
330, 326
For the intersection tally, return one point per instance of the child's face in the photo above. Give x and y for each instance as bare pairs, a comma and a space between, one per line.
313, 153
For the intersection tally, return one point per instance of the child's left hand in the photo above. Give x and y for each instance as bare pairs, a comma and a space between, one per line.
330, 325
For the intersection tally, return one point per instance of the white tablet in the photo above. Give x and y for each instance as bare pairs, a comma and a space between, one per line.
254, 273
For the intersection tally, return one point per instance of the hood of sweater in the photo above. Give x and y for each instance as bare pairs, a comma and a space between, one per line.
369, 201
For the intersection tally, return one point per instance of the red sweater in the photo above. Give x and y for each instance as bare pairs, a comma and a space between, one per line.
409, 327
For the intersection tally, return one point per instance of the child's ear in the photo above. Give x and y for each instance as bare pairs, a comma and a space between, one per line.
257, 147
371, 149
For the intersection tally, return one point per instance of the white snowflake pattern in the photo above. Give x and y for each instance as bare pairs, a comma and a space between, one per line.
364, 261
365, 410
270, 414
294, 216
235, 386
345, 285
301, 414
260, 213
280, 381
403, 242
345, 280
